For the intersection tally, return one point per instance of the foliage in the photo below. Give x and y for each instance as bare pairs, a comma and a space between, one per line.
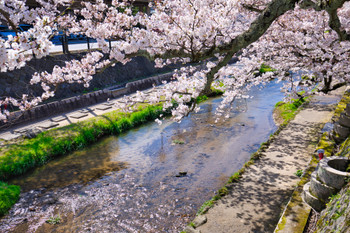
288, 110
265, 68
201, 98
9, 194
54, 220
177, 141
299, 173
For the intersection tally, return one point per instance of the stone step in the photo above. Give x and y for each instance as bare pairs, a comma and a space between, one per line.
347, 109
311, 200
342, 131
319, 189
344, 120
331, 171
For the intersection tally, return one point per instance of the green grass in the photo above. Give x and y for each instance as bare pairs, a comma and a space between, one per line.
201, 99
299, 173
19, 158
9, 194
288, 110
54, 220
177, 141
265, 68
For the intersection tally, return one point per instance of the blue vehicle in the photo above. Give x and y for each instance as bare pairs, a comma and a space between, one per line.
72, 38
5, 31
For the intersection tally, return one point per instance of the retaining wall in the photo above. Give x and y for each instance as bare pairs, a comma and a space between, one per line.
69, 104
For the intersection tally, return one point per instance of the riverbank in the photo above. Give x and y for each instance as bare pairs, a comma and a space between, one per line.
255, 202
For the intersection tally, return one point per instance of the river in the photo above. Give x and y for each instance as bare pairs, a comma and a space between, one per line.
131, 182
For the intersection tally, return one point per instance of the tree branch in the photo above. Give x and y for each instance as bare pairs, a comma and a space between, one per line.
7, 17
252, 8
331, 7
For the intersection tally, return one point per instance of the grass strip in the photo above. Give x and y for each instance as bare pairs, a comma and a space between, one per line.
341, 106
287, 111
9, 194
17, 159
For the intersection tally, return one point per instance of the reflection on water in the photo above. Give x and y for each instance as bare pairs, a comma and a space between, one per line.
79, 167
129, 184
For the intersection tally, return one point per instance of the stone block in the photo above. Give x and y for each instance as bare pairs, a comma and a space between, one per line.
48, 125
331, 171
78, 115
86, 110
199, 220
103, 108
344, 120
20, 131
311, 200
320, 190
342, 131
59, 118
109, 103
189, 229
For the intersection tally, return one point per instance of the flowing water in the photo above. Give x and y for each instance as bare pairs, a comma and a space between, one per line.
131, 183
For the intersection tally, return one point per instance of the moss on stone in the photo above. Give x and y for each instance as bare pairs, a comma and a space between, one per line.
282, 224
327, 144
341, 106
344, 148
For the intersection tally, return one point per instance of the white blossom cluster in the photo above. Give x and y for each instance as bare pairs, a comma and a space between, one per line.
301, 42
202, 34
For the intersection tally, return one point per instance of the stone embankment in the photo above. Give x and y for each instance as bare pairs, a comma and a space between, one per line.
65, 105
15, 83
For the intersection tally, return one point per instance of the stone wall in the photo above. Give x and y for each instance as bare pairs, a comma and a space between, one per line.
69, 104
16, 82
336, 217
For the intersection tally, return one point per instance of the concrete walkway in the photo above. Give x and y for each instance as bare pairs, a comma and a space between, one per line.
62, 119
255, 203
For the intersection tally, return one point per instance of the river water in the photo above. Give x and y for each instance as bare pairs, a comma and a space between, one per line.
130, 183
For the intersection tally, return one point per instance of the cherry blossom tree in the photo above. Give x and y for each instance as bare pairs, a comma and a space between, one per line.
307, 46
306, 36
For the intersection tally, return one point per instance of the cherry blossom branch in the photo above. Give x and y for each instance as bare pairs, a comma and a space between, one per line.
331, 7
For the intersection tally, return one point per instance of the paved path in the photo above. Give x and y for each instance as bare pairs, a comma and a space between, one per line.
62, 119
255, 203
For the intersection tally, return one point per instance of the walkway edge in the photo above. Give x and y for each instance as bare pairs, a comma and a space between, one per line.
296, 213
